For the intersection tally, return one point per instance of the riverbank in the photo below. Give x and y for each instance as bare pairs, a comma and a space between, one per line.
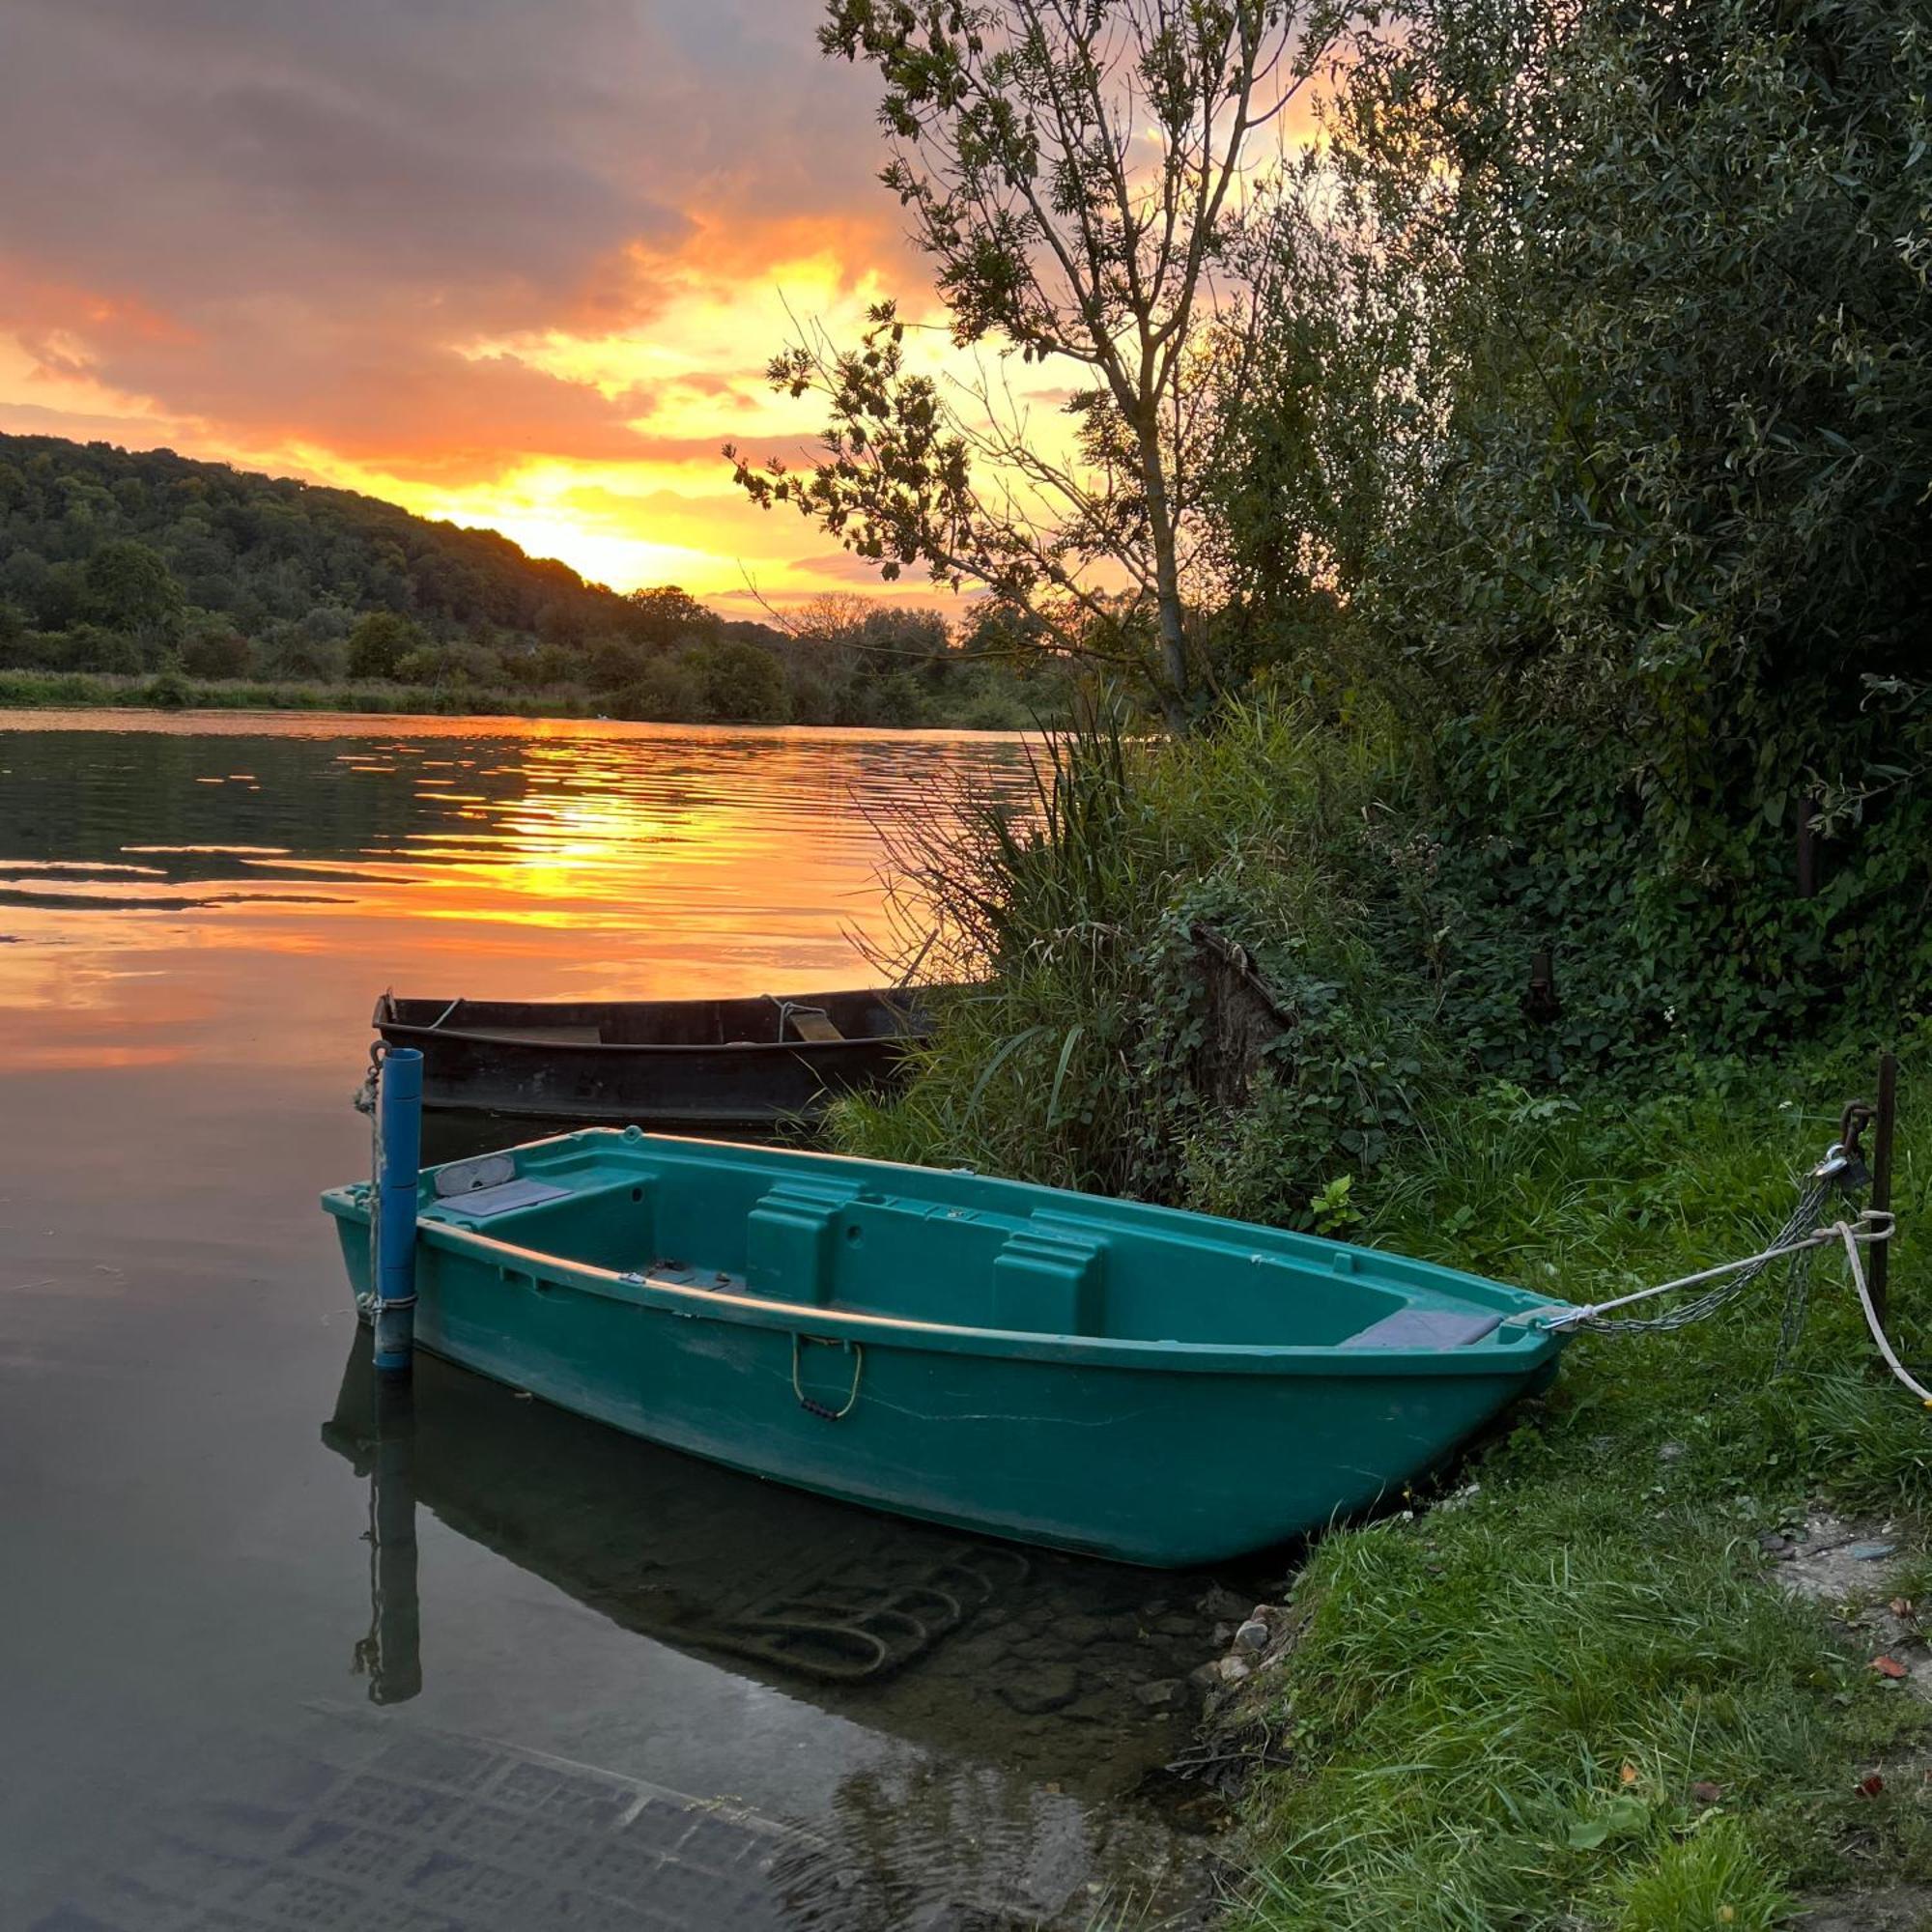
78, 691
1270, 971
172, 691
1569, 1685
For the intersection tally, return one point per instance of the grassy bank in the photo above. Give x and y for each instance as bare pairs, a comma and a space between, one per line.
1574, 1697
79, 690
1568, 1698
172, 691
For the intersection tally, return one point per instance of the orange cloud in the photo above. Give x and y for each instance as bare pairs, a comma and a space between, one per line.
524, 272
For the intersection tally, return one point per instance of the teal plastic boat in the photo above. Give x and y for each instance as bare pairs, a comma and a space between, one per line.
1099, 1375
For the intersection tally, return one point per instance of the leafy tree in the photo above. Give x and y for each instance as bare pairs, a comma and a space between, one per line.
667, 615
611, 664
1677, 459
666, 691
129, 589
1615, 426
1073, 170
424, 664
380, 643
743, 684
215, 651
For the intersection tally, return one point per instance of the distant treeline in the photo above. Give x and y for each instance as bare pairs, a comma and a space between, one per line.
149, 564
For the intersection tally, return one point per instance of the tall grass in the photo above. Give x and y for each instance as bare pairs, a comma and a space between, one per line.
1073, 1055
1571, 1699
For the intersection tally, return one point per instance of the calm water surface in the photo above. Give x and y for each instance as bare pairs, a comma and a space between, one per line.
270, 1656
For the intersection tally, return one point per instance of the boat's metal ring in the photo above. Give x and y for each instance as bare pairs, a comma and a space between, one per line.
804, 1402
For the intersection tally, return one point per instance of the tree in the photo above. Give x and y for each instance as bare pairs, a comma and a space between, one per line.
743, 683
1622, 420
665, 615
1673, 471
215, 650
380, 643
131, 590
1073, 170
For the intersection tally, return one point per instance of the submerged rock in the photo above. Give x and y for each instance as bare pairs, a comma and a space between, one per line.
1163, 1695
1044, 1688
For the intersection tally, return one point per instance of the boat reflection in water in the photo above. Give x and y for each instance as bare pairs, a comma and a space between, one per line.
1049, 1667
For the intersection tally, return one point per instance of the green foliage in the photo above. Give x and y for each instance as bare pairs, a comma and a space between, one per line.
109, 560
1092, 1057
667, 688
215, 651
1502, 1706
170, 691
740, 682
129, 590
669, 617
1598, 378
380, 644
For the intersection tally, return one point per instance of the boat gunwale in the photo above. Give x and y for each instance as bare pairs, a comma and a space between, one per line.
392, 1028
818, 1321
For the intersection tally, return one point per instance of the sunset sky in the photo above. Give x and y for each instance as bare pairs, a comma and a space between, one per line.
509, 263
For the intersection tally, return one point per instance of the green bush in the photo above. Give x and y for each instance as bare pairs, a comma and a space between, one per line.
1089, 1052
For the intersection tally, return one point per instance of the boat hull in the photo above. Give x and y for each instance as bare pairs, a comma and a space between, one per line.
675, 1065
1146, 1452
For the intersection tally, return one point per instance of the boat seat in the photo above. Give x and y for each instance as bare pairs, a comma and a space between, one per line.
1047, 1281
789, 1239
810, 1024
1439, 1328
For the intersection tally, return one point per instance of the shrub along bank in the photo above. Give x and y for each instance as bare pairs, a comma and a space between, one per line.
1516, 1711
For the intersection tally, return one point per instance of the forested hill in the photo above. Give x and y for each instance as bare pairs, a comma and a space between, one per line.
118, 566
263, 550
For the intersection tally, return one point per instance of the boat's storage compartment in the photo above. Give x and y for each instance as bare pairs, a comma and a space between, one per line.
958, 1252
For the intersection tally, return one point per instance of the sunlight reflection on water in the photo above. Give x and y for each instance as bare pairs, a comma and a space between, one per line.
178, 881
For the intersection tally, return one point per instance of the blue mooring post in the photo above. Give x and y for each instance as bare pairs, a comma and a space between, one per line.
398, 1157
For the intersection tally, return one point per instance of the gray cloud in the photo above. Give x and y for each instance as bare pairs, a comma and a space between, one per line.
320, 199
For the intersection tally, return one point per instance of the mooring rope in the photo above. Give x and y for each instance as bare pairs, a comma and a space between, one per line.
1872, 1321
1841, 1172
1801, 1233
1868, 1226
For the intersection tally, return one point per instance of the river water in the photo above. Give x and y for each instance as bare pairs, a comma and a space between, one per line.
271, 1657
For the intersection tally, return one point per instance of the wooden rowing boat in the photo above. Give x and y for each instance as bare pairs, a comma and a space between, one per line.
1099, 1375
707, 1066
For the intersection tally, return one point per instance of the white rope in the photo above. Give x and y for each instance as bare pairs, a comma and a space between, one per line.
1884, 1348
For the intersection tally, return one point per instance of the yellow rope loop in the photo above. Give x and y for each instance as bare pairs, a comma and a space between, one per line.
804, 1402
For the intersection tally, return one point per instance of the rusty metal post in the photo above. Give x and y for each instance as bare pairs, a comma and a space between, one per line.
1540, 1003
1880, 1183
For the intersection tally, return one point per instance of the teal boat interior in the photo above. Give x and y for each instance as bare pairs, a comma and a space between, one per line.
949, 1250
